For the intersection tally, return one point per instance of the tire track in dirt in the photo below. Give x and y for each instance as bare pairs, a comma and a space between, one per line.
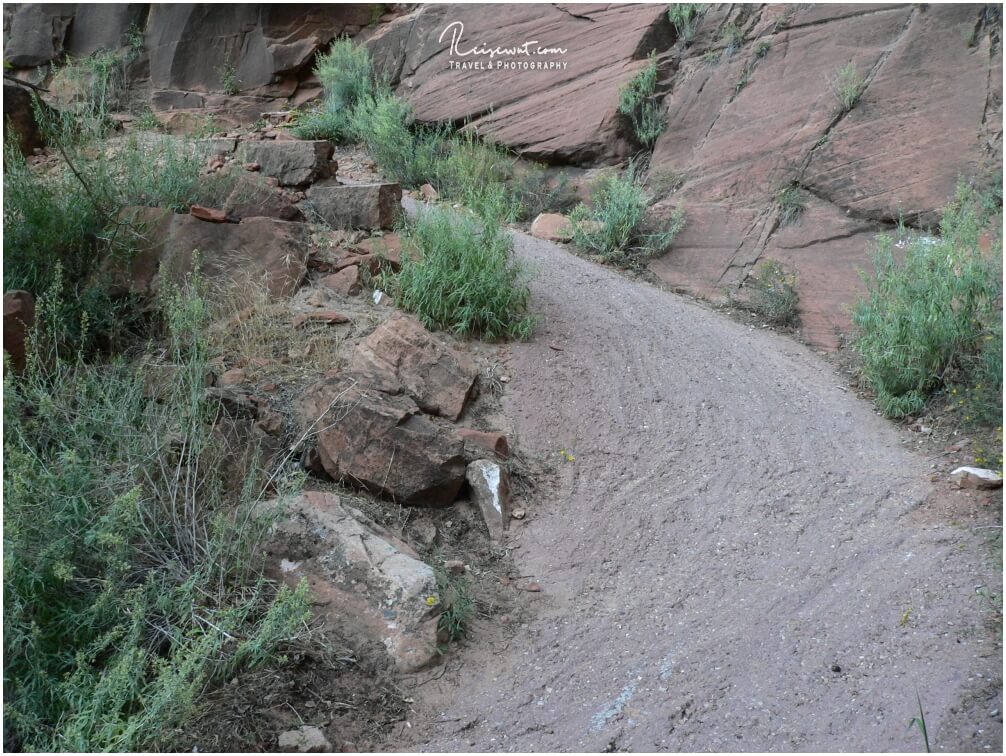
726, 563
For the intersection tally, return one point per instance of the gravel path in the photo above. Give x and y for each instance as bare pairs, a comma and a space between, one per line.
727, 562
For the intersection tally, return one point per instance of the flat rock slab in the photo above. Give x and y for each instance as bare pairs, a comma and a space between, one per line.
370, 206
403, 356
976, 477
293, 163
373, 583
382, 442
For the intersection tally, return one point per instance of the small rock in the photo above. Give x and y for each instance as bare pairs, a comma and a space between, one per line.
490, 441
306, 739
328, 317
505, 619
210, 215
533, 587
346, 282
429, 193
454, 567
490, 486
253, 167
232, 377
424, 531
976, 477
518, 514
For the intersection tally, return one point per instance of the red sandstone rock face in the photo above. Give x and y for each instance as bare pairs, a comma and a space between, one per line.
567, 115
920, 124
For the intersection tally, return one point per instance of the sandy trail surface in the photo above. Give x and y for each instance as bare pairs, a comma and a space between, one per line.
738, 556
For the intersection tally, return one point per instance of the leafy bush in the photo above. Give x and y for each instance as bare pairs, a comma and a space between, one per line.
935, 320
774, 293
229, 81
615, 226
848, 86
346, 73
458, 274
129, 578
685, 17
635, 100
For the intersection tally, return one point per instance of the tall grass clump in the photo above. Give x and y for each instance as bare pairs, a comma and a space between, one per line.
458, 274
774, 295
934, 320
848, 86
636, 100
346, 73
685, 17
130, 577
615, 225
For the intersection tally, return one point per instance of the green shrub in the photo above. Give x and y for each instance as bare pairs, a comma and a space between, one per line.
935, 320
848, 86
774, 294
615, 226
229, 81
685, 17
458, 274
636, 100
732, 38
762, 49
130, 583
346, 73
458, 602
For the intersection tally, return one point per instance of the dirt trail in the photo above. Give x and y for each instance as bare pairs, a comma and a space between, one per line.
727, 561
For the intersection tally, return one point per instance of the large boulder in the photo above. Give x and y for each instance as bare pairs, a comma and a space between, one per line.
256, 252
37, 32
369, 583
404, 356
370, 206
382, 442
18, 319
292, 163
253, 197
564, 112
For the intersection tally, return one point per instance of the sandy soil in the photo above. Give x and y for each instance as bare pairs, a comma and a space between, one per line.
739, 556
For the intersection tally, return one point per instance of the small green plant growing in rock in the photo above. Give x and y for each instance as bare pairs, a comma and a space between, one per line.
732, 38
762, 49
615, 225
686, 17
848, 86
743, 80
458, 603
636, 100
933, 320
229, 81
711, 56
774, 296
920, 723
791, 204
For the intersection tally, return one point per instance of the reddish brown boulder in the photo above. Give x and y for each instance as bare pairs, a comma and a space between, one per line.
346, 281
382, 442
18, 320
294, 163
254, 198
489, 440
552, 227
401, 355
371, 206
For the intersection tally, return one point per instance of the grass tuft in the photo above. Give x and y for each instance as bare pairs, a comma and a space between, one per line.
848, 86
686, 18
636, 100
774, 293
458, 274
